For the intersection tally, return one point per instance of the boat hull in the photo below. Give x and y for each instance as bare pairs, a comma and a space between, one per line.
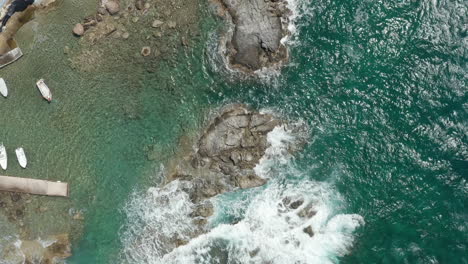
44, 89
3, 88
21, 156
3, 157
10, 57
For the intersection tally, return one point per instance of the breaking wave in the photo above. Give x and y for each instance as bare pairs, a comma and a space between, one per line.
290, 220
270, 232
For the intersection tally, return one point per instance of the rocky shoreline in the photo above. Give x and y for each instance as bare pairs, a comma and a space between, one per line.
23, 249
222, 159
137, 31
18, 19
258, 27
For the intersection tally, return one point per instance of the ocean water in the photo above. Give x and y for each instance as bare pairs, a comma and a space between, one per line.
380, 85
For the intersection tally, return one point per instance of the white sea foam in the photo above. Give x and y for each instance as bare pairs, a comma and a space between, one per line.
266, 229
155, 217
269, 234
280, 139
10, 250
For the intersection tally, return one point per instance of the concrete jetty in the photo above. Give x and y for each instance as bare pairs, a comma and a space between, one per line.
33, 186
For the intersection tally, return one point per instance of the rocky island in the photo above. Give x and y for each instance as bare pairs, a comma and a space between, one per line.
223, 159
257, 29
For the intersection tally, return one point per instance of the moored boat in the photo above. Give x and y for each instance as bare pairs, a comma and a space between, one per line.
3, 157
21, 156
44, 89
3, 88
10, 57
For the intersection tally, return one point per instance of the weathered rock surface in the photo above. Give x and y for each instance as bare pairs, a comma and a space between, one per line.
112, 7
145, 51
227, 153
78, 30
36, 251
259, 26
221, 159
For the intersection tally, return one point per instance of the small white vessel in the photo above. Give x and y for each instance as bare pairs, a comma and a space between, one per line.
21, 157
10, 57
3, 88
3, 157
45, 91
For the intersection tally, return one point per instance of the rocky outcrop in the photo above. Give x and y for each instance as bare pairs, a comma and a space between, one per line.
223, 158
78, 30
259, 26
227, 153
47, 251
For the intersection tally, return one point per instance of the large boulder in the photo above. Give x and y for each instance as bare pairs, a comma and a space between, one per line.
112, 7
78, 30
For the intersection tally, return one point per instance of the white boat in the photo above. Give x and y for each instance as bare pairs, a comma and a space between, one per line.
21, 157
3, 88
3, 157
10, 57
45, 91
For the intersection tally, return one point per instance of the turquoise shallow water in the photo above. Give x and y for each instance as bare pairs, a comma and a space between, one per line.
382, 86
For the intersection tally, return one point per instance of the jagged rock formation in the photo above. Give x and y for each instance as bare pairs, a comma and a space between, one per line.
259, 26
227, 153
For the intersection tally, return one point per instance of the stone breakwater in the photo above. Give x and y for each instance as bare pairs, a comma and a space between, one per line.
258, 26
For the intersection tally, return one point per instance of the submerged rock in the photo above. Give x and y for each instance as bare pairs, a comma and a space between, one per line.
112, 7
47, 251
139, 4
145, 51
78, 30
157, 23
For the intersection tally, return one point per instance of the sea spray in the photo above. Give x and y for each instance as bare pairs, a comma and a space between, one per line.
286, 221
155, 219
281, 139
10, 250
271, 233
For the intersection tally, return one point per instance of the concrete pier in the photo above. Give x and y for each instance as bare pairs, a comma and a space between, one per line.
33, 186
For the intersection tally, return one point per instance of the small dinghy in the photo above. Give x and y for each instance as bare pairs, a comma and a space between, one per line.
21, 157
3, 157
10, 57
3, 88
45, 91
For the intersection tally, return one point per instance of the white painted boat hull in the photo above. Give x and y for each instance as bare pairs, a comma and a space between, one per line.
3, 88
10, 57
44, 89
3, 157
21, 156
